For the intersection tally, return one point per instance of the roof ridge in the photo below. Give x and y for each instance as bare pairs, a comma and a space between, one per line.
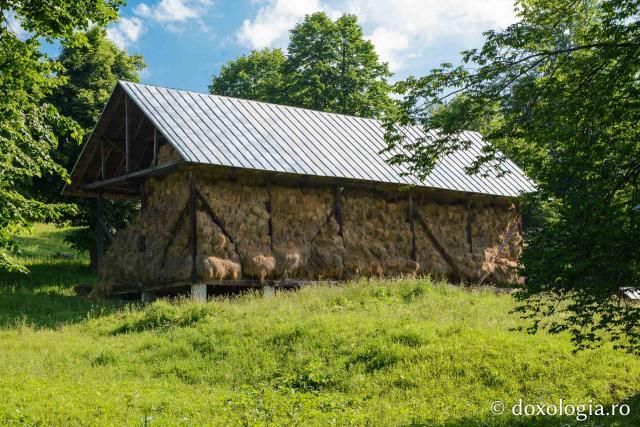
252, 100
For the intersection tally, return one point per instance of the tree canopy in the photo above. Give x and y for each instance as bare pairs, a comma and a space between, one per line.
329, 66
559, 93
29, 126
90, 65
256, 76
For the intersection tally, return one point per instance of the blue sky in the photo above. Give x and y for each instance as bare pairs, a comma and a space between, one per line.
185, 42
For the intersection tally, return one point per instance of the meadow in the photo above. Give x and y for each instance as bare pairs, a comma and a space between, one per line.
378, 353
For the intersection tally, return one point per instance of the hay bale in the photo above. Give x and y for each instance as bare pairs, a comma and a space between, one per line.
166, 154
305, 242
258, 265
210, 267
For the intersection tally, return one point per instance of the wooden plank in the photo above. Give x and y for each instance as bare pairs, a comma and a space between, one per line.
102, 159
126, 133
209, 211
193, 219
434, 241
412, 224
155, 170
470, 218
270, 210
214, 218
223, 283
155, 146
174, 233
337, 207
143, 199
99, 235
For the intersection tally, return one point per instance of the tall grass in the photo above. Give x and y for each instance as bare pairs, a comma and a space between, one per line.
407, 352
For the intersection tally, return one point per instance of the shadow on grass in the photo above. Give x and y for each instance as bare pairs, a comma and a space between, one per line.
46, 298
508, 419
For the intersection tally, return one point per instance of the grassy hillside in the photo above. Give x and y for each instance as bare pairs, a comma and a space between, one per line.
382, 353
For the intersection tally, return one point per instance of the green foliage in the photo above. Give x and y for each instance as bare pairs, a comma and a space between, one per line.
257, 76
30, 127
558, 92
332, 67
440, 357
90, 66
329, 66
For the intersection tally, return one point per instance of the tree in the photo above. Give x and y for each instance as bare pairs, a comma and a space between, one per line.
257, 76
90, 66
329, 67
561, 92
27, 123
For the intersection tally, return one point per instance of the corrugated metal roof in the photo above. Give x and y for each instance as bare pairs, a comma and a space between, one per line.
631, 293
218, 130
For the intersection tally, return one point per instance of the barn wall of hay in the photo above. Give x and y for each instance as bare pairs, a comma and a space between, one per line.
265, 230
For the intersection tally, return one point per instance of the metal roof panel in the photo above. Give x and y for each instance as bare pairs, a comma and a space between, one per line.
233, 132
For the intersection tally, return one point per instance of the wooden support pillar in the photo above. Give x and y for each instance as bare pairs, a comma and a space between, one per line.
199, 292
412, 224
337, 195
193, 240
270, 210
470, 218
99, 233
143, 199
155, 146
126, 135
102, 159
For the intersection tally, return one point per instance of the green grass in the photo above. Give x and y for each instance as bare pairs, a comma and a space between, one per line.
407, 352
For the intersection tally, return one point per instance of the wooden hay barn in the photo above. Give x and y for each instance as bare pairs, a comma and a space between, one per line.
242, 193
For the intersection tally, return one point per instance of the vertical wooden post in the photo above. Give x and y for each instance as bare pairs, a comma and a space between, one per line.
102, 159
270, 210
155, 146
412, 223
469, 225
143, 199
337, 195
99, 233
194, 227
126, 134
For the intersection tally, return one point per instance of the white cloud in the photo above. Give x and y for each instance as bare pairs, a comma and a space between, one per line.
126, 31
400, 29
273, 21
390, 44
171, 10
15, 26
173, 14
